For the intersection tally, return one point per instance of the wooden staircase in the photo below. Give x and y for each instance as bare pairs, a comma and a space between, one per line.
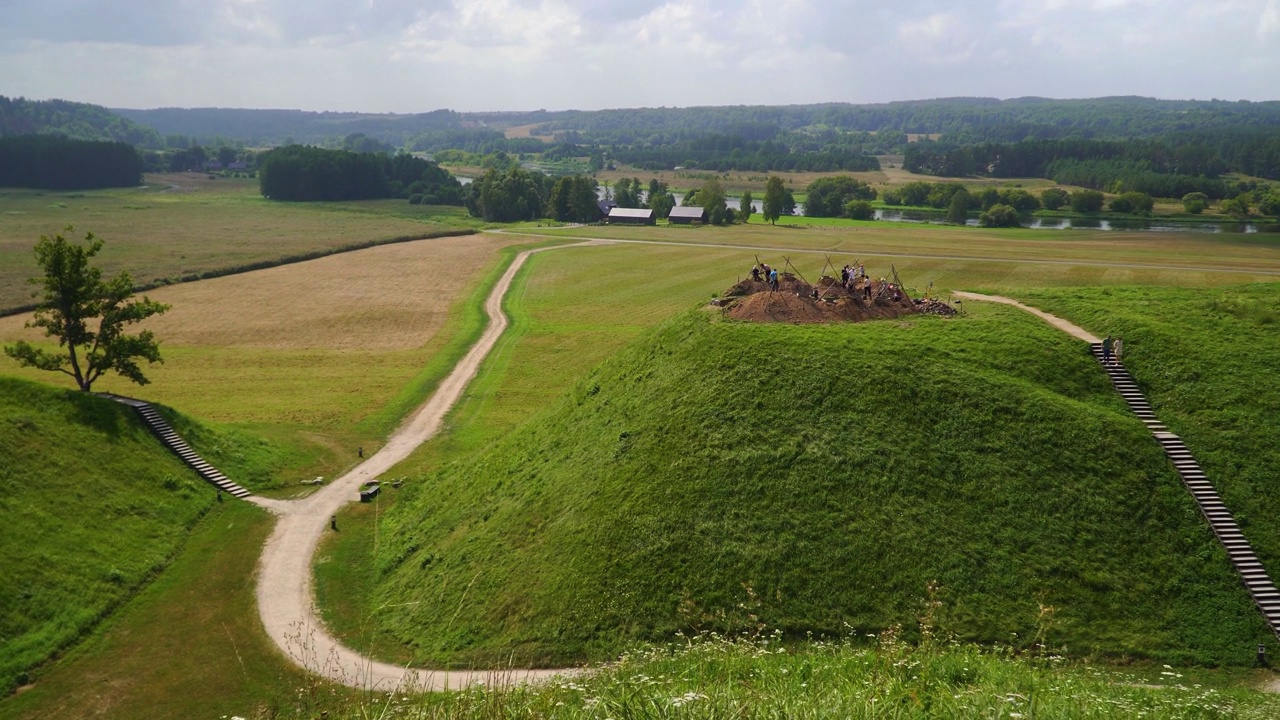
1252, 574
174, 442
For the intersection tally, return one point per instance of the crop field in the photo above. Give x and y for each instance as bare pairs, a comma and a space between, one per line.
313, 353
185, 224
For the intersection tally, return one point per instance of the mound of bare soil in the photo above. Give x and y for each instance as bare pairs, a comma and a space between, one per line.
795, 302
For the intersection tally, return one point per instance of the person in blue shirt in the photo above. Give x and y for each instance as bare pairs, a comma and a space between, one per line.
773, 279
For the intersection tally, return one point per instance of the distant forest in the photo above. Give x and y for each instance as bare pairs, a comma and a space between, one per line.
54, 162
79, 121
299, 173
1166, 148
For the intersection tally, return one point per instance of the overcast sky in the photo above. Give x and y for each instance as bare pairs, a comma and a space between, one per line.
421, 55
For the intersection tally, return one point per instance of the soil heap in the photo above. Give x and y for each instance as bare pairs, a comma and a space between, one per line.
796, 301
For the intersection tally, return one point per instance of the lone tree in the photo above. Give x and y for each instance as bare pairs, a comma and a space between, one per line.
775, 200
74, 296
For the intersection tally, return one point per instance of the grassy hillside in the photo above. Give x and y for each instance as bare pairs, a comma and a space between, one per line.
91, 507
1207, 362
733, 477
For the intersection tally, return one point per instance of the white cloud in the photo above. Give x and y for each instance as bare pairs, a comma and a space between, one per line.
1270, 20
416, 55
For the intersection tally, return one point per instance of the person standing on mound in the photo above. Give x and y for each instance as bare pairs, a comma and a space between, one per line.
773, 280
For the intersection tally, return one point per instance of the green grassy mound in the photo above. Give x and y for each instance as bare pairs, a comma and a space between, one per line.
736, 477
1208, 361
91, 507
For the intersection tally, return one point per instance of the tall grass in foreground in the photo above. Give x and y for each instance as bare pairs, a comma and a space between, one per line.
715, 677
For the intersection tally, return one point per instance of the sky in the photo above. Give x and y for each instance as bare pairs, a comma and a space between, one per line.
483, 55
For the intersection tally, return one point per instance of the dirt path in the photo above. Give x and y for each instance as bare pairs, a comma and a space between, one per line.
1054, 320
285, 585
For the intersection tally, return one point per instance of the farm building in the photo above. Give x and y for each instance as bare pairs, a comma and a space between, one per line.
687, 215
605, 206
630, 216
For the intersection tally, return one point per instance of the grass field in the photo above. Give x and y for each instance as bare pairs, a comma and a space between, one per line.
338, 345
189, 646
573, 309
1077, 257
184, 224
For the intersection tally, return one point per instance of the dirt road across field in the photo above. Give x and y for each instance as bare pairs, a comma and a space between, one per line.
285, 585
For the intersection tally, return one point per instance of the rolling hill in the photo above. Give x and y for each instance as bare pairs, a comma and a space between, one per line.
742, 478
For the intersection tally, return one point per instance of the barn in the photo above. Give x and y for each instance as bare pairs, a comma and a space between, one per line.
687, 215
630, 216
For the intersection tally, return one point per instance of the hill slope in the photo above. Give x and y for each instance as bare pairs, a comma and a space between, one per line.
80, 121
1207, 361
724, 476
91, 506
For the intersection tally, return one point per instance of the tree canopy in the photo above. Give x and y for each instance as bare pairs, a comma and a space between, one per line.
303, 173
777, 200
53, 162
73, 296
828, 196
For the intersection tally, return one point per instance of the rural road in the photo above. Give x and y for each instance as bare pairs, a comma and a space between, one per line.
913, 256
285, 585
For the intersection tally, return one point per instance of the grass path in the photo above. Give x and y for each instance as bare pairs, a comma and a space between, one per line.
286, 587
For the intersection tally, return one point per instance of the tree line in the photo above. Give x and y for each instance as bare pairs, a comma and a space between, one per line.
54, 162
516, 194
305, 173
1168, 167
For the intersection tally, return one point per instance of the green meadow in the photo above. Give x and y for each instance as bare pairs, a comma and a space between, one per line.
181, 226
686, 535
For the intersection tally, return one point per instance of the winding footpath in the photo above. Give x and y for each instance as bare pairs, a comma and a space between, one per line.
285, 584
1071, 329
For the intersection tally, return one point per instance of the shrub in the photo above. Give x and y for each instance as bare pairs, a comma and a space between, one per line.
1087, 201
1019, 200
1054, 198
415, 199
999, 216
1138, 203
1270, 205
859, 210
1195, 202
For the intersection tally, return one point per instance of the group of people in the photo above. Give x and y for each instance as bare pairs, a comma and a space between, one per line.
767, 274
1112, 349
850, 275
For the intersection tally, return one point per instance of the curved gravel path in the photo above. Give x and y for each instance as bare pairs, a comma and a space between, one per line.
285, 585
1067, 327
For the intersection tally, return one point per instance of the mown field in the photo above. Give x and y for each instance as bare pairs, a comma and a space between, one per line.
184, 224
322, 357
1034, 258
